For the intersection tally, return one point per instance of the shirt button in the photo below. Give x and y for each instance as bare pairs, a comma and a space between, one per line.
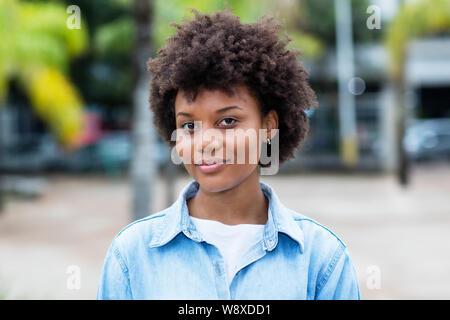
218, 269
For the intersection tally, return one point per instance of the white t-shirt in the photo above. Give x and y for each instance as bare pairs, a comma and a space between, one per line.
233, 241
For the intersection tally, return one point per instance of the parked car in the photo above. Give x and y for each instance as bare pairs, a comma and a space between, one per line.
428, 139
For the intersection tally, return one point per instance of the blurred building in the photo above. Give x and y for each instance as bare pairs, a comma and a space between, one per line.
426, 98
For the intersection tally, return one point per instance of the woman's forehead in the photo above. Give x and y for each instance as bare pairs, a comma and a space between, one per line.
214, 98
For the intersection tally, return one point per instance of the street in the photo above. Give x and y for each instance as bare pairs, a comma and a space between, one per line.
399, 239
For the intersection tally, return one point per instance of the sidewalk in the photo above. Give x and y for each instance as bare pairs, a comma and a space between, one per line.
399, 237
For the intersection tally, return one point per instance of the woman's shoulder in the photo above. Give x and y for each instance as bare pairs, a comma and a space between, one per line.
141, 230
315, 233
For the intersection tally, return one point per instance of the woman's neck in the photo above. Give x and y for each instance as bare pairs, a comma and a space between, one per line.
244, 203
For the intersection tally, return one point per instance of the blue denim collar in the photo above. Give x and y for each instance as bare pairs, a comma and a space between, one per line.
177, 220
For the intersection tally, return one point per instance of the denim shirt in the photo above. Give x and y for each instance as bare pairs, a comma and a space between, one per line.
163, 256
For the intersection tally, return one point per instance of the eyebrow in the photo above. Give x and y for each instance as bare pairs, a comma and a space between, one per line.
222, 110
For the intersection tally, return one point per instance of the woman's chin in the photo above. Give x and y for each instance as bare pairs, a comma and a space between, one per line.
224, 179
214, 183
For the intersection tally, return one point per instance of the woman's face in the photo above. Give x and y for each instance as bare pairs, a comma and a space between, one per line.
218, 136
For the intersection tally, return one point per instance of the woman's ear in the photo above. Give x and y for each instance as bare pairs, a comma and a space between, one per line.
270, 122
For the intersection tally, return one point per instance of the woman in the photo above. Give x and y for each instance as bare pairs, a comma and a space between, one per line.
222, 93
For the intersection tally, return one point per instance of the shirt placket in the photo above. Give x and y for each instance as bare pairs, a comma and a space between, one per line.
218, 265
255, 253
216, 258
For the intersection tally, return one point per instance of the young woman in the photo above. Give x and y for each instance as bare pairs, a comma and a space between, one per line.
217, 84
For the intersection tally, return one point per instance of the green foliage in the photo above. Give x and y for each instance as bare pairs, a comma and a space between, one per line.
318, 19
116, 37
105, 75
35, 34
311, 46
417, 19
36, 42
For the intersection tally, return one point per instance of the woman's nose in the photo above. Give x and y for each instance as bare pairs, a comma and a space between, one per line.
209, 139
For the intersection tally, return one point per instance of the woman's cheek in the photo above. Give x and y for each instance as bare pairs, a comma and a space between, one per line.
246, 149
184, 149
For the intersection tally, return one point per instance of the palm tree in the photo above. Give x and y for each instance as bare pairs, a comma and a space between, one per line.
35, 50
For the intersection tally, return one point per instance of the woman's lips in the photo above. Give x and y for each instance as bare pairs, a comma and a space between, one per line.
212, 167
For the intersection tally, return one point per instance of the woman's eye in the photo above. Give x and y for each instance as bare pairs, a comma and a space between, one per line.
228, 121
188, 126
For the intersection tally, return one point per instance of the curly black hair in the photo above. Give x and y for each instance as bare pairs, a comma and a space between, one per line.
217, 51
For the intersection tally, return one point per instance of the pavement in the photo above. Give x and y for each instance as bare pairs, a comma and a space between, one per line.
53, 246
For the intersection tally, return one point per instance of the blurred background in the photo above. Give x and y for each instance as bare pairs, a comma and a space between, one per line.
80, 158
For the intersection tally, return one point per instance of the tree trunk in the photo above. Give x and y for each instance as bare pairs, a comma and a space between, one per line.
143, 163
1, 157
402, 158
